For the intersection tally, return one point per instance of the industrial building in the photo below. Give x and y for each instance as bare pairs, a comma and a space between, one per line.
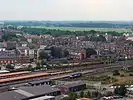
45, 92
72, 86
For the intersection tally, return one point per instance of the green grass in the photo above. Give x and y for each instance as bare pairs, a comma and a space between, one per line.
86, 29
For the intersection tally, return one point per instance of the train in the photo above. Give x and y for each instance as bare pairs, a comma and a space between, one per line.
75, 75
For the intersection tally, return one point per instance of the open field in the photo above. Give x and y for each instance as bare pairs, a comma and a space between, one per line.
86, 29
108, 78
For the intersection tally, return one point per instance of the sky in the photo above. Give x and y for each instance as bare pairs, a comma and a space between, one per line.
66, 10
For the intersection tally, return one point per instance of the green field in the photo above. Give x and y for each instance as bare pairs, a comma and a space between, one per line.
120, 30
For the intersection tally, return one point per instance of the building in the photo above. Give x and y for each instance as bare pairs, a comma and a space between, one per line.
44, 98
9, 45
23, 59
11, 95
8, 56
41, 82
78, 55
72, 87
13, 57
40, 91
44, 92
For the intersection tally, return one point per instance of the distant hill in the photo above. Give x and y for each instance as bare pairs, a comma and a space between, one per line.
87, 24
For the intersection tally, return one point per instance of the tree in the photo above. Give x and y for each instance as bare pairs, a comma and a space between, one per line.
9, 67
116, 72
43, 55
97, 38
81, 94
56, 52
90, 51
72, 96
38, 66
92, 31
66, 53
95, 94
30, 68
88, 94
101, 38
43, 62
7, 37
120, 90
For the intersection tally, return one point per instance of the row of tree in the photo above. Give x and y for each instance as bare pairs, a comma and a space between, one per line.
56, 52
57, 32
120, 91
88, 94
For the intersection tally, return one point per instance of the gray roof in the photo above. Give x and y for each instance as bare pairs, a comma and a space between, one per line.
27, 91
11, 95
73, 84
38, 90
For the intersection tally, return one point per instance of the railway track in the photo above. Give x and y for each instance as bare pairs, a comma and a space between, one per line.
62, 75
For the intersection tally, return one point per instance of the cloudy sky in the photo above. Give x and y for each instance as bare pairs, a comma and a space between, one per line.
66, 9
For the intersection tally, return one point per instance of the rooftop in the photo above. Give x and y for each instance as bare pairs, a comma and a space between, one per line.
11, 95
73, 84
38, 90
27, 92
43, 98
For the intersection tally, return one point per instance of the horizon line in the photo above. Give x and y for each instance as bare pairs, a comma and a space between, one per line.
70, 20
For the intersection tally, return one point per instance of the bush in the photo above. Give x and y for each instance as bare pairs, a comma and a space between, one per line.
116, 73
130, 74
121, 75
81, 94
120, 90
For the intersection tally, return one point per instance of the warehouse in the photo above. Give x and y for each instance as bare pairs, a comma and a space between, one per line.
39, 91
72, 86
30, 93
11, 95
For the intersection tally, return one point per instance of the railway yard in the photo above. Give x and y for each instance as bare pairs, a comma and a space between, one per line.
27, 76
33, 84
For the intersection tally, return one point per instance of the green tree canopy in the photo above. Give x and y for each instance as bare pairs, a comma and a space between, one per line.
30, 68
97, 38
120, 90
56, 52
66, 53
43, 55
116, 72
9, 67
90, 51
82, 94
88, 94
72, 96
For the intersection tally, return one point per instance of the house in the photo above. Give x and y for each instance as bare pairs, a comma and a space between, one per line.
8, 56
10, 45
80, 55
